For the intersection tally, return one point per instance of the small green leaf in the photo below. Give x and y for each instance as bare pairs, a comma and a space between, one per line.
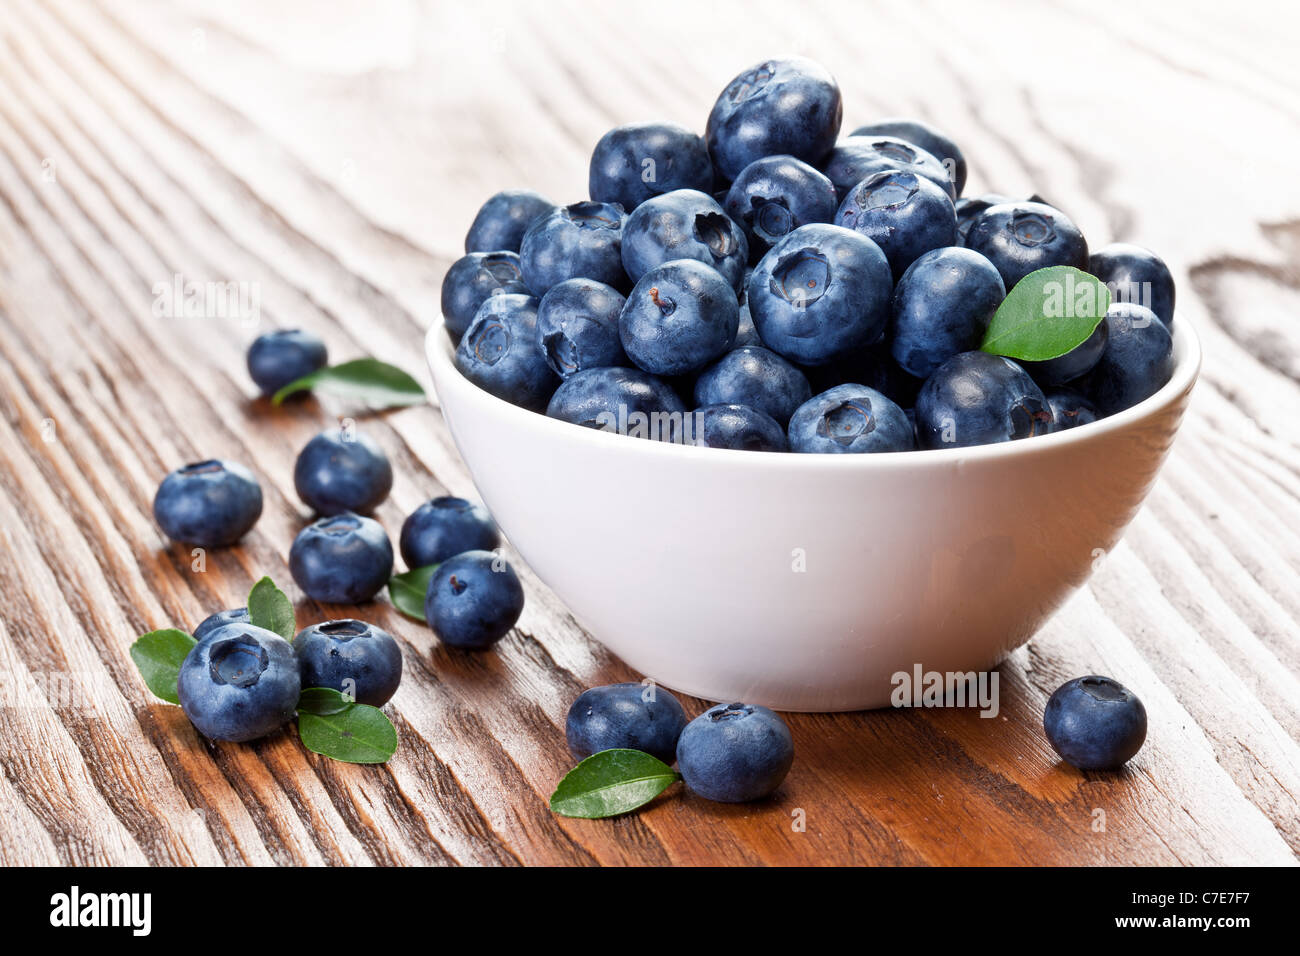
611, 782
159, 655
407, 590
1048, 313
322, 701
269, 607
357, 734
368, 381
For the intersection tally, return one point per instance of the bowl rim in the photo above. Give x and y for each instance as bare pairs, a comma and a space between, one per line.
1187, 366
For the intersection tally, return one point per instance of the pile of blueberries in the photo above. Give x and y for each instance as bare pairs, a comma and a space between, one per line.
798, 291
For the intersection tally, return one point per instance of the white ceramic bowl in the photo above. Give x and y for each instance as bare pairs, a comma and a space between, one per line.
804, 582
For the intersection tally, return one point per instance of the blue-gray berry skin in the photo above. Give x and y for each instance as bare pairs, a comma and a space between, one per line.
499, 353
239, 683
1023, 237
342, 470
737, 427
471, 280
238, 615
577, 326
208, 504
1095, 723
502, 221
277, 358
684, 224
856, 158
787, 106
754, 376
353, 657
734, 753
625, 716
616, 400
342, 559
580, 241
631, 164
1136, 275
904, 214
443, 527
935, 142
1136, 363
473, 601
775, 195
942, 306
680, 316
975, 399
848, 420
1070, 409
820, 294
1079, 361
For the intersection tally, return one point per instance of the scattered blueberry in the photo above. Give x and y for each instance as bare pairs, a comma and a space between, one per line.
471, 280
904, 214
975, 399
444, 527
502, 220
356, 659
860, 157
775, 195
342, 559
1137, 276
1070, 409
209, 504
626, 401
474, 599
1136, 363
936, 143
239, 683
1020, 238
342, 470
238, 615
283, 356
1095, 723
680, 316
625, 716
499, 353
684, 224
850, 419
577, 326
754, 376
738, 427
733, 753
1074, 363
942, 306
582, 241
631, 164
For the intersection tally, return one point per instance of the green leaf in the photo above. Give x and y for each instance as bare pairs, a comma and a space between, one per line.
159, 655
357, 734
611, 782
368, 381
1048, 313
322, 701
407, 590
269, 607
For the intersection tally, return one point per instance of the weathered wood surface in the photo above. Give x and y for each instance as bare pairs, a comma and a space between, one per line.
332, 154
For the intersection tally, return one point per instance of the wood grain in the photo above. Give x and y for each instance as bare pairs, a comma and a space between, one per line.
332, 156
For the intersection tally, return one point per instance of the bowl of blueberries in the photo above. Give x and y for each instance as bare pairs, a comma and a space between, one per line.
751, 412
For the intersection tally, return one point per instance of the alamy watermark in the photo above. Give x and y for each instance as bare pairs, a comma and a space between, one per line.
922, 688
182, 298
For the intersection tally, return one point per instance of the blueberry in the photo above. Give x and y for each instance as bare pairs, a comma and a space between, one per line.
968, 210
737, 427
680, 317
502, 221
625, 716
354, 658
1070, 409
684, 224
936, 143
1022, 237
209, 504
820, 293
342, 559
1074, 363
1137, 276
861, 157
873, 367
444, 527
283, 356
631, 164
342, 470
754, 376
942, 305
1136, 363
789, 106
471, 280
626, 401
474, 599
238, 615
976, 398
775, 195
239, 683
577, 326
905, 214
733, 753
499, 353
1095, 723
850, 419
581, 241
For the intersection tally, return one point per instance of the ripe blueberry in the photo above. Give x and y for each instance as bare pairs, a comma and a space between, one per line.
1095, 723
283, 356
684, 224
625, 716
933, 141
734, 753
581, 241
901, 212
942, 305
626, 401
342, 470
502, 221
239, 683
680, 317
1137, 276
577, 326
1136, 363
473, 601
499, 353
471, 280
631, 164
342, 559
850, 419
352, 657
1022, 237
775, 195
738, 427
238, 615
754, 376
444, 527
976, 398
209, 504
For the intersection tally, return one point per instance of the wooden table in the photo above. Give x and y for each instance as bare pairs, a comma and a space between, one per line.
331, 155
